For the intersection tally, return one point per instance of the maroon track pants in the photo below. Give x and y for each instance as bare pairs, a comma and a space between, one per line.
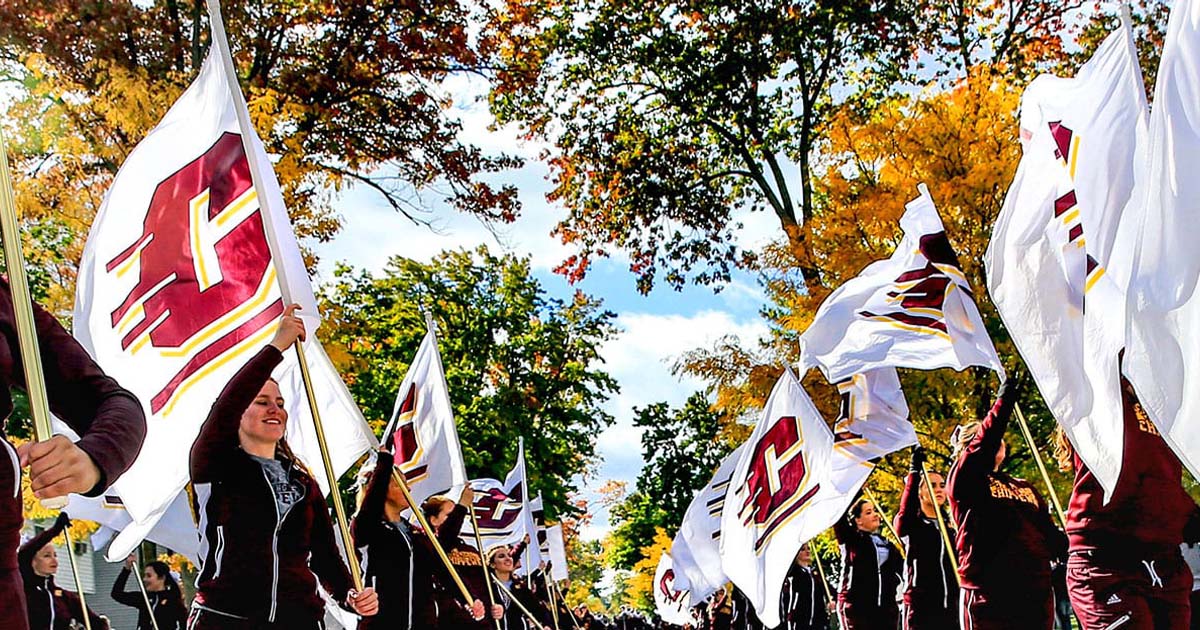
918, 616
1031, 610
852, 617
1130, 593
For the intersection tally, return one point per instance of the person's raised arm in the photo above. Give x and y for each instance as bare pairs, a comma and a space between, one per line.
28, 550
978, 458
369, 519
118, 593
909, 513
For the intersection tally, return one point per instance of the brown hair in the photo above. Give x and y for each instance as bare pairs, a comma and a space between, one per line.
433, 506
963, 435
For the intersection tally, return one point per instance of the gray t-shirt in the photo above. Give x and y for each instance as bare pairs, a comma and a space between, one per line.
287, 491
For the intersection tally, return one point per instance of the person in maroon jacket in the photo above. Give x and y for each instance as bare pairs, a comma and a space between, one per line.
109, 418
264, 526
49, 607
1006, 540
1125, 567
870, 575
446, 518
931, 588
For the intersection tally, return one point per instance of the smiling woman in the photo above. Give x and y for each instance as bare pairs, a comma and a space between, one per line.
266, 536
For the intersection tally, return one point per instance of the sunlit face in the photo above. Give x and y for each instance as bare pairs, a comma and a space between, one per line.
45, 561
868, 519
939, 489
153, 581
502, 561
395, 496
265, 420
804, 556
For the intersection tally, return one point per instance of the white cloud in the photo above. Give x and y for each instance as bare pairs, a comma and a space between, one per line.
640, 358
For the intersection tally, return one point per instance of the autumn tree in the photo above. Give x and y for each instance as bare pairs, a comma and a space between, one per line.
343, 93
518, 362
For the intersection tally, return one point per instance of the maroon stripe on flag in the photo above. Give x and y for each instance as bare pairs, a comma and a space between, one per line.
1065, 203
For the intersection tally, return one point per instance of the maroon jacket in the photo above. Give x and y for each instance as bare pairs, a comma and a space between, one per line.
48, 606
1006, 539
866, 584
929, 577
1149, 510
255, 563
109, 418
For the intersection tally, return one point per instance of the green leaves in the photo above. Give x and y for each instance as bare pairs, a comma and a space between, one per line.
517, 362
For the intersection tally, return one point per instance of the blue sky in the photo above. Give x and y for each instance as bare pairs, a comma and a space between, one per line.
655, 329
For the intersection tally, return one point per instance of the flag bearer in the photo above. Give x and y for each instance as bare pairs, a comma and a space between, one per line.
931, 588
871, 568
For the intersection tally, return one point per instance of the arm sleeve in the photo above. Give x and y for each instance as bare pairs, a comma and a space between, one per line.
910, 505
369, 518
843, 531
978, 459
1191, 530
218, 438
326, 560
108, 417
28, 550
119, 595
451, 529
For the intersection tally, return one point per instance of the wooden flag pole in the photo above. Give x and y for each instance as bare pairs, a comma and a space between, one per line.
1037, 457
529, 615
87, 619
487, 575
221, 41
887, 522
941, 523
550, 594
570, 611
145, 597
437, 545
31, 357
821, 572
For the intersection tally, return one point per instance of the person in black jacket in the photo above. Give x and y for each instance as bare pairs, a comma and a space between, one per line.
48, 606
802, 601
931, 587
871, 568
166, 599
501, 562
266, 537
398, 560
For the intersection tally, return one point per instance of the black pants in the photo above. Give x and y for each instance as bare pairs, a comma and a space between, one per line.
201, 619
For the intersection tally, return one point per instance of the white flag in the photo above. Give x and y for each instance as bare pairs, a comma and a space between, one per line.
1162, 357
872, 423
696, 549
784, 465
177, 287
347, 435
558, 553
503, 515
672, 605
913, 310
1050, 267
421, 431
539, 521
175, 530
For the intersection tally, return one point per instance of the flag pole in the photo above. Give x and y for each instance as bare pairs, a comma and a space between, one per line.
145, 597
487, 575
1041, 465
221, 41
87, 619
437, 545
941, 521
536, 623
887, 522
570, 611
821, 572
550, 593
14, 260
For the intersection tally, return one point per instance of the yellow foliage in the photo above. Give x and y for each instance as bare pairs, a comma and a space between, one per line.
641, 583
34, 511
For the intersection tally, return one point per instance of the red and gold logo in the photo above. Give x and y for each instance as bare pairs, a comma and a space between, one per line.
404, 438
775, 483
205, 277
921, 293
666, 587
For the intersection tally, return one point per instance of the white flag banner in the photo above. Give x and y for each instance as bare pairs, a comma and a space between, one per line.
177, 287
347, 435
672, 605
1050, 267
539, 520
503, 515
696, 549
872, 423
175, 530
783, 467
558, 553
422, 430
1162, 357
914, 309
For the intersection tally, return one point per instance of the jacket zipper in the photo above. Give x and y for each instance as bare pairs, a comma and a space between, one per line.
217, 558
274, 547
50, 597
878, 570
411, 551
942, 565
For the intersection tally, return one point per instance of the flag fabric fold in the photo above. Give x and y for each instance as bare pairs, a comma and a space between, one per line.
557, 553
1051, 268
671, 605
696, 549
914, 309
